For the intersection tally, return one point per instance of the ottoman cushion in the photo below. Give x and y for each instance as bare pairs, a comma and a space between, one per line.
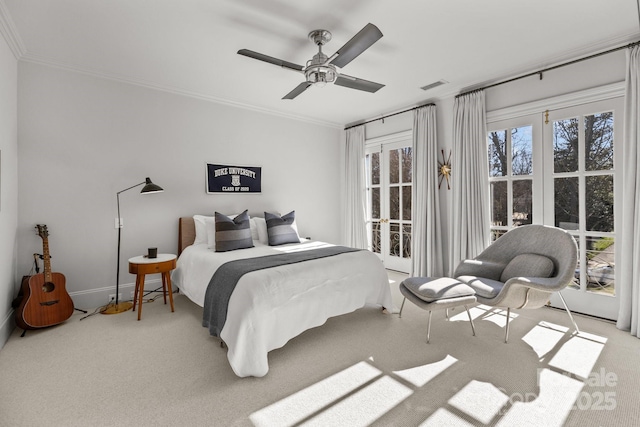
430, 290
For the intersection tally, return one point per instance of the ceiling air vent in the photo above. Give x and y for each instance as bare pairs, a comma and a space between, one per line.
434, 84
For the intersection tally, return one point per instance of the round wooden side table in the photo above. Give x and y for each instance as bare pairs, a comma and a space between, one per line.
141, 265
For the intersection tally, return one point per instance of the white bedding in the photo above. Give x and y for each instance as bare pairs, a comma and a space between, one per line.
269, 307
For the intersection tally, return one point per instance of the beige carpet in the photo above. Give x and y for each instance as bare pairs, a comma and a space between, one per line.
364, 368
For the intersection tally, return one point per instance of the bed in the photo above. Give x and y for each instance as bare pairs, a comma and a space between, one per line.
270, 306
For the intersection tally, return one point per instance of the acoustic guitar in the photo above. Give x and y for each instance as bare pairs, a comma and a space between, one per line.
45, 301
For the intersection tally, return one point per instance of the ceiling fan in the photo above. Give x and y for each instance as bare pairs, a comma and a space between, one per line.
322, 69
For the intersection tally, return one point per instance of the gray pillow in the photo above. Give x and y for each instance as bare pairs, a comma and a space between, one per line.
232, 234
281, 229
528, 265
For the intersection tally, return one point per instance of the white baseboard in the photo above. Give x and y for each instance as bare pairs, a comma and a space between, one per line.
93, 298
7, 326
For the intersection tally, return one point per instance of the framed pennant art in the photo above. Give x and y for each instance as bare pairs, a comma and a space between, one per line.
233, 179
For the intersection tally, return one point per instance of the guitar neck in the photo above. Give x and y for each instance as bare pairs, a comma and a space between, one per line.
46, 259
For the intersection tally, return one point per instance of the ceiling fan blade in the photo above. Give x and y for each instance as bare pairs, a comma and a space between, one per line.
297, 91
356, 83
358, 44
270, 60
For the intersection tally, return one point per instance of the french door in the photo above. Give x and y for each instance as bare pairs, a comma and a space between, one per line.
561, 168
582, 157
389, 182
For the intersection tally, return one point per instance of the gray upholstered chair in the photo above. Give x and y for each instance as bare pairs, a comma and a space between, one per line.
522, 269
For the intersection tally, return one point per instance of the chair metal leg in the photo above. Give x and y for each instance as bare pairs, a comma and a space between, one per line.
429, 327
506, 332
401, 307
575, 325
473, 328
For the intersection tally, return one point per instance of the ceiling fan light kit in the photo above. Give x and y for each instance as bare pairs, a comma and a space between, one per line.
323, 69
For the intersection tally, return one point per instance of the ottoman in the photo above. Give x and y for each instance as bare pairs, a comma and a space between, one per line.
437, 294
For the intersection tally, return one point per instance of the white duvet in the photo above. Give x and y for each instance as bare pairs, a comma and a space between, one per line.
269, 307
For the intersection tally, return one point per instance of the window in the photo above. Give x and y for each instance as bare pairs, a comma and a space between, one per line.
511, 175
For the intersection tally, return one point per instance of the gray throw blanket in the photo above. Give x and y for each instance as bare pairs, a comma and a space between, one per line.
224, 280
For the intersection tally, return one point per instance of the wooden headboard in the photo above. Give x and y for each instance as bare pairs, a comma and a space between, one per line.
186, 232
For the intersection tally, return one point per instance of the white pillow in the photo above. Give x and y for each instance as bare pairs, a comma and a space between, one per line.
201, 229
261, 229
210, 223
254, 229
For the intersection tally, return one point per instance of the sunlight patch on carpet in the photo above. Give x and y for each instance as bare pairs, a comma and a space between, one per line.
579, 354
303, 404
480, 400
365, 406
552, 405
499, 317
421, 375
544, 337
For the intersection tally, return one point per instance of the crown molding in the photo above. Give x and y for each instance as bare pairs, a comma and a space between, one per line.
49, 62
9, 32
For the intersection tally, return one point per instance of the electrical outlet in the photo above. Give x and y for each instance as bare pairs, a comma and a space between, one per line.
112, 297
118, 222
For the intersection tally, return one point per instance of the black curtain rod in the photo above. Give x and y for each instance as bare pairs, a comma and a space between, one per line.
390, 115
630, 45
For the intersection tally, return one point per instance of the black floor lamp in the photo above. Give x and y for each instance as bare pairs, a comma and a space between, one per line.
119, 307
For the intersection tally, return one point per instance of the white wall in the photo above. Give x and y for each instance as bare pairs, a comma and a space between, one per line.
8, 187
83, 139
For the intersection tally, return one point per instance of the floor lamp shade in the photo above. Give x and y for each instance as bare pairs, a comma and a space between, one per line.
119, 307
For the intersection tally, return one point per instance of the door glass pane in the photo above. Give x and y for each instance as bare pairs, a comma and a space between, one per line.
499, 203
394, 239
522, 202
565, 145
375, 203
375, 168
406, 241
496, 234
521, 151
407, 158
498, 153
394, 166
599, 203
598, 129
566, 209
394, 203
601, 265
406, 202
375, 237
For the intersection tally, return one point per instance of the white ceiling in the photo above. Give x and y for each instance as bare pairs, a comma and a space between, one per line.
189, 46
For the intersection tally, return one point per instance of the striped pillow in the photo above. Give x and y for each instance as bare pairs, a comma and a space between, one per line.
232, 234
283, 229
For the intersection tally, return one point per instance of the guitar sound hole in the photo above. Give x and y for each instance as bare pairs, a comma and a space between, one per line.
48, 287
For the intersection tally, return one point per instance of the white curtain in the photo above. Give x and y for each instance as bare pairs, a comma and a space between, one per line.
470, 208
426, 244
629, 286
355, 226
